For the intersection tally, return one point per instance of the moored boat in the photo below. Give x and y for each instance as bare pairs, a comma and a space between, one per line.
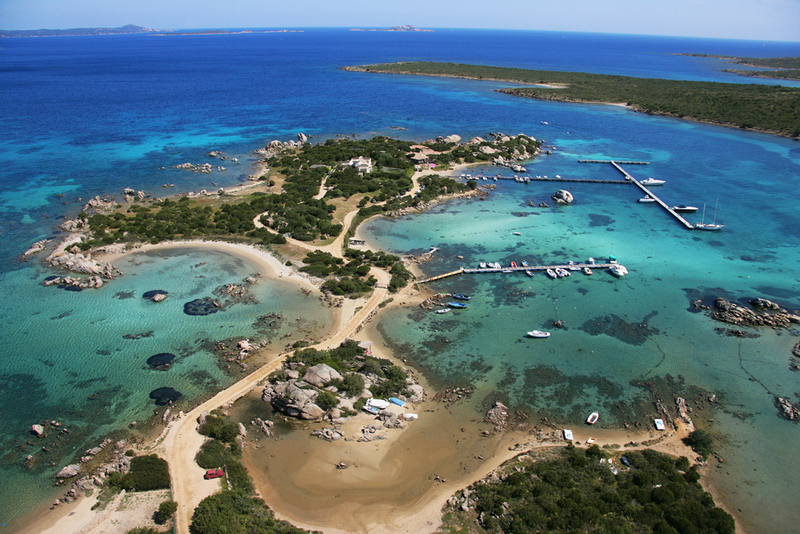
538, 333
587, 271
648, 198
483, 265
562, 273
456, 305
461, 296
443, 310
551, 273
593, 417
703, 225
684, 208
618, 270
652, 181
529, 272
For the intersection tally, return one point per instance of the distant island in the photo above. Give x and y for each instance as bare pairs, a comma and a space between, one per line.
766, 108
408, 28
130, 28
789, 67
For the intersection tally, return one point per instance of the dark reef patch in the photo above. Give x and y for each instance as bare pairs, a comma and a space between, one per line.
204, 306
164, 396
615, 326
597, 220
122, 295
161, 361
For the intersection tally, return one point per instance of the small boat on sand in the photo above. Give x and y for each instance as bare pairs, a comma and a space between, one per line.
568, 434
538, 334
593, 417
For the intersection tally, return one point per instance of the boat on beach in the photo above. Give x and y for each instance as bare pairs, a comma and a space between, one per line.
593, 417
538, 334
568, 434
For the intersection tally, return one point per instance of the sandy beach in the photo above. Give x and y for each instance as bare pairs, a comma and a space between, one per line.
394, 485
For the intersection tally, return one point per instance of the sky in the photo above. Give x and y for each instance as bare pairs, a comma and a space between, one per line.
767, 20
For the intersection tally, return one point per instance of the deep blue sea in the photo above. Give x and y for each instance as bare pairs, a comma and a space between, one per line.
86, 116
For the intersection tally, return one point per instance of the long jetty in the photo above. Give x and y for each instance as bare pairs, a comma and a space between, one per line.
630, 179
516, 269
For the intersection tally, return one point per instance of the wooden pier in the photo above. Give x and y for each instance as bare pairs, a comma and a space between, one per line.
637, 183
517, 269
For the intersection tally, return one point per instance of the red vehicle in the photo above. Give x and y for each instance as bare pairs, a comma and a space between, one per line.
213, 473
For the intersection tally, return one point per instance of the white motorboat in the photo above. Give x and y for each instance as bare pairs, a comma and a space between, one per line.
618, 270
647, 199
561, 273
443, 310
529, 272
568, 434
483, 265
538, 333
551, 273
587, 271
593, 417
652, 181
684, 208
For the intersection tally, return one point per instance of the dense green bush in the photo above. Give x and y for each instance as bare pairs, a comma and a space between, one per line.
217, 428
166, 510
571, 491
146, 473
326, 400
701, 442
233, 512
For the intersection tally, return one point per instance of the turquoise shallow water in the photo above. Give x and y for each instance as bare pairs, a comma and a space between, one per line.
66, 357
620, 332
90, 116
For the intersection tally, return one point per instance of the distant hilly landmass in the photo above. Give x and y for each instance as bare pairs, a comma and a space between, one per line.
130, 28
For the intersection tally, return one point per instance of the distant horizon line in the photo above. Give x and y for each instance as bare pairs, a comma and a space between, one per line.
347, 28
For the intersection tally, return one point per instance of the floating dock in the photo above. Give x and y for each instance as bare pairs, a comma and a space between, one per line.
637, 183
517, 269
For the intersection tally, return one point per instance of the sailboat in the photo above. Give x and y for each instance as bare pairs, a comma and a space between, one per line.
712, 225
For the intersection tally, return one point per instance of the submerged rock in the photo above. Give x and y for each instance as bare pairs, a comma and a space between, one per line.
204, 306
160, 361
165, 395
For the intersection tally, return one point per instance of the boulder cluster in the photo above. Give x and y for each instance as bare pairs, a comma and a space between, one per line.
787, 409
562, 196
96, 479
763, 313
295, 398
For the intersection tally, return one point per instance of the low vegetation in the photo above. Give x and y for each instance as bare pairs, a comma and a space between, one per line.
769, 108
145, 474
576, 490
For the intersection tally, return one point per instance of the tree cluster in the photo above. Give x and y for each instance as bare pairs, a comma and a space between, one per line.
770, 108
576, 491
146, 473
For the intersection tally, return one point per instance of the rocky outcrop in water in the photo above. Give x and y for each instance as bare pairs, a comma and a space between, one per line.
787, 410
764, 313
497, 416
562, 196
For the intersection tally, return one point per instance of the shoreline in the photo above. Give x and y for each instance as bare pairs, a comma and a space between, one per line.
417, 509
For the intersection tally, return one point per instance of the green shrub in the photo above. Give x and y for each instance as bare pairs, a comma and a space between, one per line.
146, 473
166, 510
326, 400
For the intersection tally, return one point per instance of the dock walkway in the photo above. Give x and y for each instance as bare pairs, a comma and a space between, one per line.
630, 179
515, 270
